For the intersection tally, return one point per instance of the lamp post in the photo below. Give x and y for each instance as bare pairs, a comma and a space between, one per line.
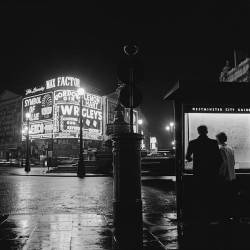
139, 122
170, 128
140, 131
81, 168
27, 162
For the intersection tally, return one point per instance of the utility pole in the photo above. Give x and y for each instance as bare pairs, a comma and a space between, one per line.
27, 162
127, 205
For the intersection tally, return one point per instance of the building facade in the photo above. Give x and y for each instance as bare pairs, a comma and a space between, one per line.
10, 125
54, 110
239, 73
53, 125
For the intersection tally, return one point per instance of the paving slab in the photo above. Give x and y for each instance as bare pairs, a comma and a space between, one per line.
72, 231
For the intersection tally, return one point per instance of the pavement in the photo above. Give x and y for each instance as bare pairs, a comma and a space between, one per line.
74, 213
77, 231
39, 171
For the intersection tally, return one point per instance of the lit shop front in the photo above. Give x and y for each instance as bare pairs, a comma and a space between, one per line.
222, 107
233, 120
54, 117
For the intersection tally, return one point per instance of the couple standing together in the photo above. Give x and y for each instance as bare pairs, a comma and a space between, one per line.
213, 167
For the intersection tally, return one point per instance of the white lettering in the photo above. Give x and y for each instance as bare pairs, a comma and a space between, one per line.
50, 84
36, 128
76, 111
34, 90
46, 111
32, 101
66, 96
66, 109
68, 81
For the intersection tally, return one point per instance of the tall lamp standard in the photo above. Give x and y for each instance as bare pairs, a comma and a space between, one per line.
81, 167
140, 122
27, 162
170, 128
140, 131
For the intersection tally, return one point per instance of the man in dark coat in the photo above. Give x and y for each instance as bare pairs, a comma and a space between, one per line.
206, 157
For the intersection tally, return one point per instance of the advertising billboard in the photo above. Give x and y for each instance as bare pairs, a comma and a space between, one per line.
41, 129
67, 113
40, 107
57, 110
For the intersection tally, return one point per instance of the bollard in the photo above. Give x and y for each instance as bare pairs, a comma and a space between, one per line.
127, 204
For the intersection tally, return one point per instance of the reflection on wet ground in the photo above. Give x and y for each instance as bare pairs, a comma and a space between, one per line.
87, 223
65, 212
163, 227
61, 231
81, 231
93, 231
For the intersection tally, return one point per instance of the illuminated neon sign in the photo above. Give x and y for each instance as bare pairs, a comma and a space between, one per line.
215, 109
63, 82
66, 96
59, 104
40, 107
34, 90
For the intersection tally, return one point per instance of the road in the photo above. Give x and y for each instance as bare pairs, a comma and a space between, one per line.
40, 207
52, 211
39, 194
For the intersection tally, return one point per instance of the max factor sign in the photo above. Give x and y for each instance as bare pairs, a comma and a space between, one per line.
63, 82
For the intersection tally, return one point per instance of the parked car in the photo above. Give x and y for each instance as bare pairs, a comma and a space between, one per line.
10, 162
158, 163
64, 160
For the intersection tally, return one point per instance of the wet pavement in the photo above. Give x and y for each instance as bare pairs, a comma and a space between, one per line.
76, 231
73, 213
40, 171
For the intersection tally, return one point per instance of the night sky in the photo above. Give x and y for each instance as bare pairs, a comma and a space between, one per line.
39, 42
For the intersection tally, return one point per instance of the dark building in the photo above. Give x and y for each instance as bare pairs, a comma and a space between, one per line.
239, 73
10, 125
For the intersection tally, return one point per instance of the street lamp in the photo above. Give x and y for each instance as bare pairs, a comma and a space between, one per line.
139, 122
140, 131
81, 168
171, 128
27, 162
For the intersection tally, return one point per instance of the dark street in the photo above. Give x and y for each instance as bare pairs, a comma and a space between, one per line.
37, 205
60, 212
125, 126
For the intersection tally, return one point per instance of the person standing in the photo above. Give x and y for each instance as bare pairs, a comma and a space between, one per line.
227, 175
206, 157
227, 167
205, 154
